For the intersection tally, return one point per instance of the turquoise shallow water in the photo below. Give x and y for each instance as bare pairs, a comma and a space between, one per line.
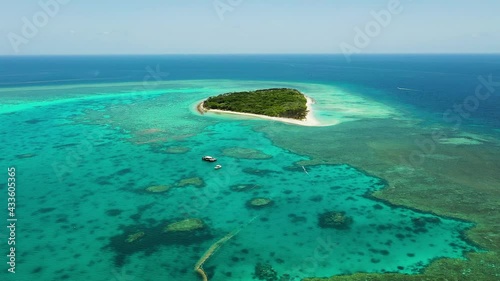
84, 163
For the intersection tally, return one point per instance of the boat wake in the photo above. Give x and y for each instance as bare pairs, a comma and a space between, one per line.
408, 89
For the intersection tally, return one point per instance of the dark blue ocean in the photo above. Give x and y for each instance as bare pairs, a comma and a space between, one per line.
435, 82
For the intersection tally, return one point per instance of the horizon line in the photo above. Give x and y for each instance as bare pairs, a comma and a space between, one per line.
240, 54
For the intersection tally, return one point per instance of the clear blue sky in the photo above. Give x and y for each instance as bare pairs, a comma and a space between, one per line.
251, 26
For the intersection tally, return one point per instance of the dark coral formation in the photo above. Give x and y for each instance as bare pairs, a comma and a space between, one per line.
245, 153
334, 219
422, 221
264, 271
420, 224
150, 238
258, 172
134, 237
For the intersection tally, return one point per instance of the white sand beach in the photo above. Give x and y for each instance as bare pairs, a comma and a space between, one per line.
310, 120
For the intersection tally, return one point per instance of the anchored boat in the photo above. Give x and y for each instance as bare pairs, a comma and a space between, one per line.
208, 158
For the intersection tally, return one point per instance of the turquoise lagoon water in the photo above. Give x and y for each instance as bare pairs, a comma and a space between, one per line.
85, 155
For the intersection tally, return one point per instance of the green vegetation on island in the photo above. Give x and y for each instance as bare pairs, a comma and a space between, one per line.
282, 102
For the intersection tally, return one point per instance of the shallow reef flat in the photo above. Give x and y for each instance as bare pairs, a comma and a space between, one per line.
443, 176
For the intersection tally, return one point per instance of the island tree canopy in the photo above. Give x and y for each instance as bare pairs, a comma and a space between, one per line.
277, 102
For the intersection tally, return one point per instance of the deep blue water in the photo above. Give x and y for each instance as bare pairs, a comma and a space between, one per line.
437, 82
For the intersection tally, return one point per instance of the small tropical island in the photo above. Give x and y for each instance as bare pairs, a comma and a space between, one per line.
281, 104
